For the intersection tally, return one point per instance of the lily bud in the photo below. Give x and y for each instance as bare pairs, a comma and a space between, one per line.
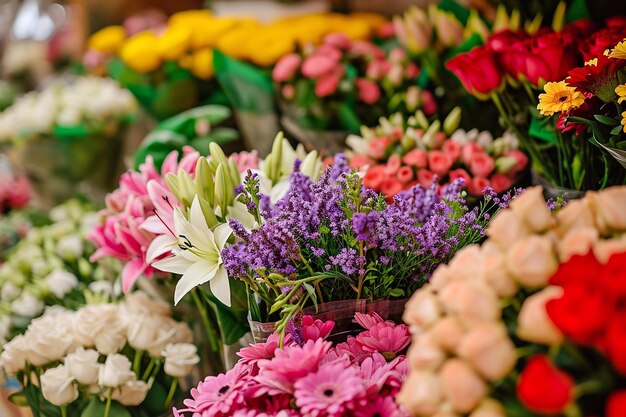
429, 136
502, 19
452, 121
205, 187
421, 120
311, 166
217, 153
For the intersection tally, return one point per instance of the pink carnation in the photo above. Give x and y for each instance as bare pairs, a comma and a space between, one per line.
369, 92
338, 40
326, 85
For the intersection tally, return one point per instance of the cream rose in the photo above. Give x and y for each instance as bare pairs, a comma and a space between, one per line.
99, 325
506, 228
576, 214
115, 371
58, 387
608, 206
533, 323
532, 261
489, 350
27, 305
604, 249
60, 282
421, 393
139, 302
70, 247
180, 359
422, 309
142, 330
425, 354
494, 271
489, 408
460, 298
132, 393
531, 209
83, 365
578, 241
48, 340
447, 333
13, 356
463, 387
170, 331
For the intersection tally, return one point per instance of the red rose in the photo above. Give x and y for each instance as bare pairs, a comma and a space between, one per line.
477, 70
405, 174
502, 41
616, 404
416, 158
425, 178
542, 388
616, 22
500, 183
615, 342
558, 55
477, 185
595, 45
459, 173
481, 164
439, 163
578, 30
579, 269
391, 187
582, 312
614, 275
374, 177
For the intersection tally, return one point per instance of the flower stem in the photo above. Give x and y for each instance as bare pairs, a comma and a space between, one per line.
148, 371
107, 407
170, 395
137, 361
214, 343
64, 411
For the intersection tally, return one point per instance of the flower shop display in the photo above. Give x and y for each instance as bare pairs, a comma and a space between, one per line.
49, 266
513, 66
529, 323
310, 376
68, 135
342, 84
104, 359
399, 153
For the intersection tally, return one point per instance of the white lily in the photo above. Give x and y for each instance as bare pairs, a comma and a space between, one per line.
198, 256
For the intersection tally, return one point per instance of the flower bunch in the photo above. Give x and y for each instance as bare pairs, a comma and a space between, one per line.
49, 266
581, 99
308, 376
399, 153
495, 330
512, 65
83, 358
340, 76
94, 105
335, 239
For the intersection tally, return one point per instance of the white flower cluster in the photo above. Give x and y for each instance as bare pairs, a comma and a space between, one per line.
49, 264
94, 102
87, 342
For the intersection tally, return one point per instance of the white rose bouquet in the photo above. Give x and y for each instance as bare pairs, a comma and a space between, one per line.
102, 360
49, 266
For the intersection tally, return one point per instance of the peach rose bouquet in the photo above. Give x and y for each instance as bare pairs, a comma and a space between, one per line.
530, 323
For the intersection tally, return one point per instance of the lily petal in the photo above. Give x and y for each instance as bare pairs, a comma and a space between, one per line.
160, 246
222, 233
197, 274
220, 287
174, 264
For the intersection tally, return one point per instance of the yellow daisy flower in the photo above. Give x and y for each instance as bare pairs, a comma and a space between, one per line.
624, 121
620, 90
559, 97
619, 51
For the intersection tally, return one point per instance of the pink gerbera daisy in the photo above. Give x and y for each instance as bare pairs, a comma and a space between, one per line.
381, 407
386, 338
257, 351
368, 321
328, 391
352, 349
378, 375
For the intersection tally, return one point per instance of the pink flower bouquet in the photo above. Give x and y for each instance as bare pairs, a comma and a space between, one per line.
305, 375
399, 153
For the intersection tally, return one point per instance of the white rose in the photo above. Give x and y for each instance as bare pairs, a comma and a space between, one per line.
604, 249
13, 357
70, 247
48, 341
83, 365
9, 291
27, 305
139, 302
180, 359
447, 333
494, 271
421, 393
170, 331
608, 206
57, 386
142, 330
60, 282
506, 228
532, 261
115, 371
459, 297
132, 393
461, 385
111, 339
576, 214
101, 287
531, 209
92, 322
425, 354
534, 324
489, 350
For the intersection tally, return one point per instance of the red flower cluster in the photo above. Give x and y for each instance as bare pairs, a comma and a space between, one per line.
543, 388
543, 57
592, 309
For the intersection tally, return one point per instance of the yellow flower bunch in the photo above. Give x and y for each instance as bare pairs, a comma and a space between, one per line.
191, 36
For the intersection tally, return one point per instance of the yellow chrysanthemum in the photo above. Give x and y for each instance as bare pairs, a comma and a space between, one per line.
559, 97
206, 35
619, 51
140, 54
109, 39
624, 121
233, 43
620, 90
173, 43
202, 63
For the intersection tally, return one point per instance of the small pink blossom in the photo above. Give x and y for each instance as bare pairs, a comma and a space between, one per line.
286, 67
338, 40
352, 349
313, 329
381, 407
326, 85
318, 65
246, 160
369, 92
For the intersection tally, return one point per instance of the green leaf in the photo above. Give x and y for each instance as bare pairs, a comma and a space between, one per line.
396, 292
459, 11
616, 130
466, 46
539, 129
609, 121
19, 399
348, 118
95, 408
155, 399
233, 320
577, 10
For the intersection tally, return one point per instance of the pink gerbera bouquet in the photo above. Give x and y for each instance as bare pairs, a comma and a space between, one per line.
309, 376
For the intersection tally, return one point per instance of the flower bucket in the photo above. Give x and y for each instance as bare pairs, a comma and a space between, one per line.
342, 313
551, 192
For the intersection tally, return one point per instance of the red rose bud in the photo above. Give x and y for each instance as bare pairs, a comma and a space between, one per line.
477, 70
616, 405
542, 388
425, 178
558, 55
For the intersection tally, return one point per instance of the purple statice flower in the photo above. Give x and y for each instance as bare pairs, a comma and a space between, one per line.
349, 261
362, 223
340, 166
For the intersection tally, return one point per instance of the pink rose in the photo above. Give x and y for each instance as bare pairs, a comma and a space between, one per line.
452, 149
374, 177
393, 164
520, 157
439, 163
288, 91
377, 147
338, 40
469, 149
286, 67
405, 174
369, 92
377, 69
477, 185
481, 165
391, 187
365, 48
460, 173
416, 158
489, 350
500, 183
397, 55
326, 85
318, 65
425, 178
329, 51
360, 161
